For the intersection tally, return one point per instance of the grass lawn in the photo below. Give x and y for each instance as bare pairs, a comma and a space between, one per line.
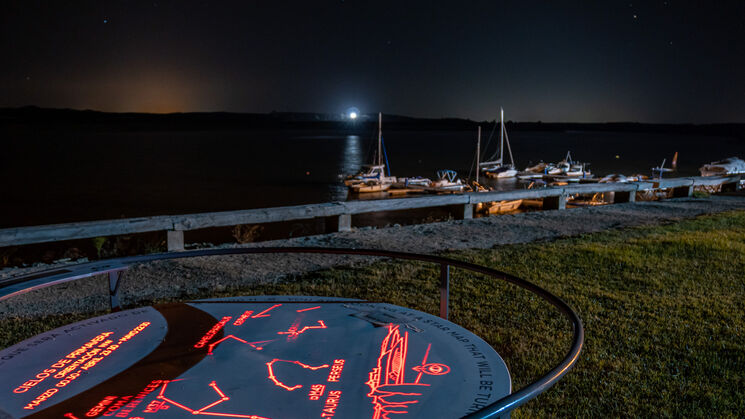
663, 311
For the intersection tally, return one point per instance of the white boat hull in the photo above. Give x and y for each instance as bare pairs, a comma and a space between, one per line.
501, 173
370, 187
507, 173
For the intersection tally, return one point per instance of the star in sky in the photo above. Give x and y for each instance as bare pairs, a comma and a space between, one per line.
166, 56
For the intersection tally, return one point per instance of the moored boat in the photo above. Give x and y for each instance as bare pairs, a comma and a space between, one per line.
373, 178
497, 168
448, 181
414, 182
370, 173
728, 166
659, 170
569, 167
539, 168
501, 207
368, 187
614, 178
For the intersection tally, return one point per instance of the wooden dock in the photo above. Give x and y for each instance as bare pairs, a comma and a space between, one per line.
175, 225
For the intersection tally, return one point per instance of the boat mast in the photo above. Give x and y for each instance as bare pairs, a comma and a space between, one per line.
478, 154
501, 136
509, 149
380, 138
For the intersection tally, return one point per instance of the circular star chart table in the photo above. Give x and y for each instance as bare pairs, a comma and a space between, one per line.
261, 357
257, 357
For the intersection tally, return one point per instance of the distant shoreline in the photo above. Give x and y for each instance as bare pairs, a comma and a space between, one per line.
40, 118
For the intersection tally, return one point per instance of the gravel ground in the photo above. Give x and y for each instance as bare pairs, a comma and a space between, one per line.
166, 279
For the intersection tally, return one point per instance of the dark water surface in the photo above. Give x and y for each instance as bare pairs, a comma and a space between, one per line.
54, 177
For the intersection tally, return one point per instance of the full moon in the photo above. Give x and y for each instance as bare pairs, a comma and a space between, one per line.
353, 113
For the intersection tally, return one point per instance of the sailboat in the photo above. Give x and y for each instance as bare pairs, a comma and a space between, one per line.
659, 170
373, 177
497, 168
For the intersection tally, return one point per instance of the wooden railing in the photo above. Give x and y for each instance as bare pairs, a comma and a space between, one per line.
175, 225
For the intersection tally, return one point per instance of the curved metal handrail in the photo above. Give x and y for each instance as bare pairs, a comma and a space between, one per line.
15, 286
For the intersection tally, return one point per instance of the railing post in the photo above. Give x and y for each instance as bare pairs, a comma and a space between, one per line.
175, 240
624, 196
114, 282
730, 187
444, 289
345, 222
467, 211
683, 191
558, 202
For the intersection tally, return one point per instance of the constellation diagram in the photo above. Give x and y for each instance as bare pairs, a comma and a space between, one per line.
270, 367
390, 392
222, 397
256, 345
292, 332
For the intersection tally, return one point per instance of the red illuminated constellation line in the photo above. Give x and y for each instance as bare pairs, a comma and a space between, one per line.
201, 411
390, 373
430, 369
270, 364
293, 332
255, 345
263, 313
308, 309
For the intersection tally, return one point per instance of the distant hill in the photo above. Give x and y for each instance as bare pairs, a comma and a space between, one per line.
41, 118
45, 117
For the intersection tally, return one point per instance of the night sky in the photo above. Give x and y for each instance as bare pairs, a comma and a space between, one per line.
573, 61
